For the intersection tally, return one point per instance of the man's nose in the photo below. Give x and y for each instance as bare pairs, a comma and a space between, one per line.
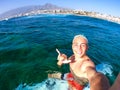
79, 46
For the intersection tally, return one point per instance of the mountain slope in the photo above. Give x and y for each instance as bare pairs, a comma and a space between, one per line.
28, 9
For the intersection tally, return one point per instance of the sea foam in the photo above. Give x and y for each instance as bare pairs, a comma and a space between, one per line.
55, 84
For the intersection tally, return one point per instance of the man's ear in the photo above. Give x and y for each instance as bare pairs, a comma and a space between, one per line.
87, 47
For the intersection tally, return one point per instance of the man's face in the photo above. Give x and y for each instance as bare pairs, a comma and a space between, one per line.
79, 46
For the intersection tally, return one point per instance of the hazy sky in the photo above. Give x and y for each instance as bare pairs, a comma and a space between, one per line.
102, 6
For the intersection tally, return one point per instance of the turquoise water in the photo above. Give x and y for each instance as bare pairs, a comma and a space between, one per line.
27, 48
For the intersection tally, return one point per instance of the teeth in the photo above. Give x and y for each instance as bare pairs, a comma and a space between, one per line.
79, 52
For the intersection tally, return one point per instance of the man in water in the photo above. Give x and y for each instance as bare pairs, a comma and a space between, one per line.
82, 67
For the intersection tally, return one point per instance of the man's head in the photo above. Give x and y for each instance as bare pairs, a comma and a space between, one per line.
80, 36
80, 45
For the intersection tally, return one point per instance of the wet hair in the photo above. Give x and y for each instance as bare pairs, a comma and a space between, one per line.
80, 35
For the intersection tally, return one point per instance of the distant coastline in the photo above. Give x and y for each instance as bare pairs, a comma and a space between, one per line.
99, 15
53, 9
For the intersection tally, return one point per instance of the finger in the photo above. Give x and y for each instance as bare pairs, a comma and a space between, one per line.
58, 51
66, 61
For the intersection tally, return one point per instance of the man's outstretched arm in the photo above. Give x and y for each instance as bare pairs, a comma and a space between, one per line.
116, 85
97, 80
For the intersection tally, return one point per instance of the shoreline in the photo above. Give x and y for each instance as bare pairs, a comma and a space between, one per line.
99, 16
73, 12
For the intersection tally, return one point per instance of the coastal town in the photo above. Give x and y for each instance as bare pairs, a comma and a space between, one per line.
53, 9
77, 12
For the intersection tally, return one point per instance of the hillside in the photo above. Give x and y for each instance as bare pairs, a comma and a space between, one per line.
28, 9
53, 9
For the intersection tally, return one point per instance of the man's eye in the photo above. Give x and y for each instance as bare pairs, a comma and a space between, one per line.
83, 45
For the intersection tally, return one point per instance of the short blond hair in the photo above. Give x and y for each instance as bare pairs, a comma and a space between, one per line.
80, 35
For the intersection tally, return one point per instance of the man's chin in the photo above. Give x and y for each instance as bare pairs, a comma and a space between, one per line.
80, 55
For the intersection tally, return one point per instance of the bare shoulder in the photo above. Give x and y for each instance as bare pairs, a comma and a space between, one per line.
89, 68
88, 63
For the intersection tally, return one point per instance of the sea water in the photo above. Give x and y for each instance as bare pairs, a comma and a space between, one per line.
56, 84
28, 43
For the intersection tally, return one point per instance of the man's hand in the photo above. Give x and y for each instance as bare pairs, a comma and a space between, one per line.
62, 58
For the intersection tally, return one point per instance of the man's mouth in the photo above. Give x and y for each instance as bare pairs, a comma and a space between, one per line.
79, 52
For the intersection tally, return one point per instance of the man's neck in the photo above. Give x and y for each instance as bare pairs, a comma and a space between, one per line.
77, 57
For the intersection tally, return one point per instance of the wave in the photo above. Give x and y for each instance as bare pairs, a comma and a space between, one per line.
56, 84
